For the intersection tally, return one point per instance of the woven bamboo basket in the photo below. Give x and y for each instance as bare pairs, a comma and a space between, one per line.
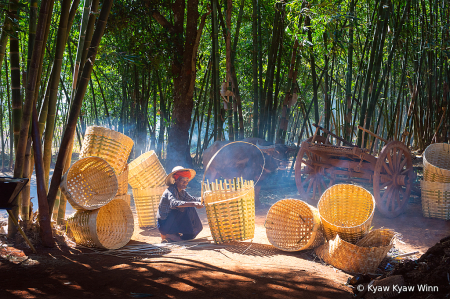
122, 180
435, 199
146, 172
363, 257
126, 198
436, 163
147, 203
109, 227
230, 208
346, 210
89, 183
110, 145
293, 225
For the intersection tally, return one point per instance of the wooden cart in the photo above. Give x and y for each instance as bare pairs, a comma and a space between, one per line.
319, 164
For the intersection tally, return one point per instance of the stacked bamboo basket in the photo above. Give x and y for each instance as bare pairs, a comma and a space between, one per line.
343, 217
147, 176
96, 186
436, 181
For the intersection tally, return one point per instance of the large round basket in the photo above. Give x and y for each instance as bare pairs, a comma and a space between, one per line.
122, 180
435, 200
346, 210
109, 227
436, 163
293, 225
363, 257
89, 184
146, 172
110, 145
147, 203
230, 208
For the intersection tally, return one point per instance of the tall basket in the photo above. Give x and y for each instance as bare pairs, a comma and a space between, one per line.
109, 227
122, 180
146, 172
435, 200
436, 163
89, 184
112, 146
346, 210
293, 225
230, 208
147, 203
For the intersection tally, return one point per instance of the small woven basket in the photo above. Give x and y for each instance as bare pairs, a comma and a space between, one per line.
122, 180
109, 227
89, 184
126, 198
363, 257
436, 163
146, 172
147, 203
230, 208
346, 210
293, 225
110, 145
435, 200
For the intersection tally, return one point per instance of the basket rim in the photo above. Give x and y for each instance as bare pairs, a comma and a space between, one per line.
347, 227
105, 129
431, 147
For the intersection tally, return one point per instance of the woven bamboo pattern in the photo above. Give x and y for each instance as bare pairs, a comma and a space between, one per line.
293, 225
346, 210
126, 198
147, 203
89, 183
110, 145
362, 257
436, 163
230, 208
109, 227
435, 200
122, 180
146, 172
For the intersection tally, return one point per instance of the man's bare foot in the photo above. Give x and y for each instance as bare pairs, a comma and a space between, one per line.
171, 238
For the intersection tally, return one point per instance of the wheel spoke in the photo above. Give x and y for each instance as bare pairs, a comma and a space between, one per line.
314, 189
402, 164
386, 167
384, 185
306, 180
309, 186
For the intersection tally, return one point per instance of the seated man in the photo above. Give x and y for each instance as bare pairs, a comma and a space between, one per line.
177, 218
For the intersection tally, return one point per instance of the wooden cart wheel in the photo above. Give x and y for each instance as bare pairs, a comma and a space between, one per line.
311, 180
393, 178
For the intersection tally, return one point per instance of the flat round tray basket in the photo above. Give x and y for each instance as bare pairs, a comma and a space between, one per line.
109, 227
436, 163
89, 184
346, 210
147, 203
146, 171
363, 257
122, 180
110, 145
435, 200
293, 225
230, 208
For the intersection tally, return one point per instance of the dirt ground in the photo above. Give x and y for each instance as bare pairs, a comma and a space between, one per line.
195, 269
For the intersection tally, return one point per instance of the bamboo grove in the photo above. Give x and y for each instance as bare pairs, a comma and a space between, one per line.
178, 75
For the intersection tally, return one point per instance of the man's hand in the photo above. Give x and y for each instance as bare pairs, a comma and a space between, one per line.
199, 205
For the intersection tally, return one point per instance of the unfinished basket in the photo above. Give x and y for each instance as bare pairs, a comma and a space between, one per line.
126, 198
109, 227
110, 145
147, 203
89, 183
436, 163
293, 225
435, 200
122, 180
230, 208
346, 210
146, 172
363, 257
